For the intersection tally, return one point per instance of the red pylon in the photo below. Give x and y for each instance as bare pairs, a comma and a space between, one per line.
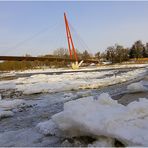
71, 47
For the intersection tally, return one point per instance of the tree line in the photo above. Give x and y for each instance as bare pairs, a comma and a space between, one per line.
113, 54
118, 54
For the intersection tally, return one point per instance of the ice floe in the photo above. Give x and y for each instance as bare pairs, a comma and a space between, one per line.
74, 81
6, 107
137, 87
102, 117
4, 114
7, 85
42, 83
10, 104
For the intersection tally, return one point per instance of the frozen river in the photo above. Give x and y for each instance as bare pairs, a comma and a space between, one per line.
44, 95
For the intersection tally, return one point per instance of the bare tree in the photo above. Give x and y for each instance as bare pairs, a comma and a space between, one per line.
61, 52
85, 55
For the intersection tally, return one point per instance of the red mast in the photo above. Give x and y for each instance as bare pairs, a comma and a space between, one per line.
71, 47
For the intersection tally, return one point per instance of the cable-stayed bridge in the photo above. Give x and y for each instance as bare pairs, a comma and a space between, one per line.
73, 57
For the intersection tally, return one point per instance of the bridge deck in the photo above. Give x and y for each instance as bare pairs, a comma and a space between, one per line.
21, 58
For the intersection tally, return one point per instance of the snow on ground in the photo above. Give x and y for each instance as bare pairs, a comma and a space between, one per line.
52, 70
123, 66
102, 116
69, 81
82, 68
7, 74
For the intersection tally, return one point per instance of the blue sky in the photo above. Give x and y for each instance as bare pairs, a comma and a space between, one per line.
37, 28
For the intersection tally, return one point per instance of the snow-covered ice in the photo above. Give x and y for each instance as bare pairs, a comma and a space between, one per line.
7, 85
42, 83
103, 117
